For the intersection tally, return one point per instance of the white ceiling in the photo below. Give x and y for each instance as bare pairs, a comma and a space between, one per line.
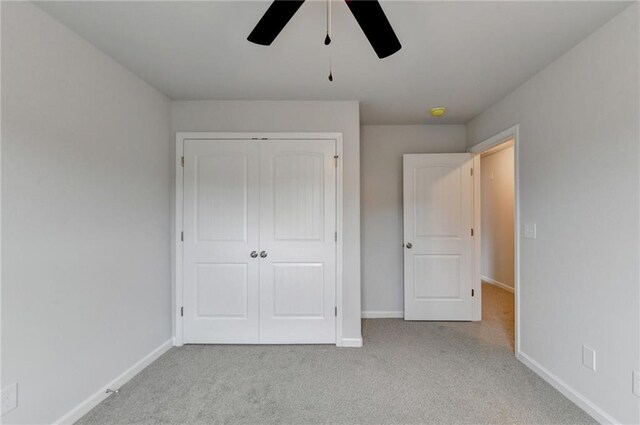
463, 55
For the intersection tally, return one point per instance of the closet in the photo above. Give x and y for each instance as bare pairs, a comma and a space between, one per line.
259, 241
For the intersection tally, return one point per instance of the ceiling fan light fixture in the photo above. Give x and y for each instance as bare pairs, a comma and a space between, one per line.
368, 14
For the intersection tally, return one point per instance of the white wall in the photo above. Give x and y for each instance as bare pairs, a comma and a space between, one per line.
382, 252
297, 116
497, 197
579, 167
86, 215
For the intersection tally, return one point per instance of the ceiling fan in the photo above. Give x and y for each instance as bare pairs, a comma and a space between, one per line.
368, 13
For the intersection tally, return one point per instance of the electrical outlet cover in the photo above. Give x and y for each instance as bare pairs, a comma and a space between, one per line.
9, 398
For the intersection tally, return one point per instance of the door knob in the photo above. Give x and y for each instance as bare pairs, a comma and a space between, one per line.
409, 246
254, 254
263, 254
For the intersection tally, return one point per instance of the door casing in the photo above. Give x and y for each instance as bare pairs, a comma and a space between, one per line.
177, 254
477, 149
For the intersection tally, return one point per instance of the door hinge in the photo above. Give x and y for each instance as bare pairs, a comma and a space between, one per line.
472, 171
181, 311
182, 161
471, 232
181, 236
473, 293
335, 311
336, 159
336, 236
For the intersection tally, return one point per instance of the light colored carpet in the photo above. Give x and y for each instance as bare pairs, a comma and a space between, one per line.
406, 373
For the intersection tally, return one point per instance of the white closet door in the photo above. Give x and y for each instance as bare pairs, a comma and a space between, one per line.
297, 241
221, 219
438, 255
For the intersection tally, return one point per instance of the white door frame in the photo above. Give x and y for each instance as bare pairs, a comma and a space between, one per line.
477, 149
177, 254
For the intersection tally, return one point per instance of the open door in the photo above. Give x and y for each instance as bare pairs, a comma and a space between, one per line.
438, 236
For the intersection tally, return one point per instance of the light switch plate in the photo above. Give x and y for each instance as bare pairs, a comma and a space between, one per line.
636, 383
530, 230
9, 398
589, 357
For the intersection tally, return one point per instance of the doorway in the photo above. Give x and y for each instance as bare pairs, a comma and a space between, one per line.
497, 218
497, 240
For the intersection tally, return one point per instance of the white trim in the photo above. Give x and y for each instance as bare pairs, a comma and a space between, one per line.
503, 136
476, 285
214, 135
497, 283
177, 248
339, 229
375, 314
499, 148
580, 400
351, 342
181, 136
96, 398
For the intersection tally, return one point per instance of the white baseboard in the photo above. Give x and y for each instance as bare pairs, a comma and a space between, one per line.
81, 409
351, 342
382, 315
581, 401
497, 283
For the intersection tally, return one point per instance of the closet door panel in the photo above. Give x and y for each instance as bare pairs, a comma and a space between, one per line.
297, 241
221, 229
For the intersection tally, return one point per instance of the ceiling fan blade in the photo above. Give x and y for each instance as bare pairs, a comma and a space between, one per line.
375, 25
273, 21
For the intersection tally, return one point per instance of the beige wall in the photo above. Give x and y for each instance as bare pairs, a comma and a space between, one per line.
298, 116
579, 150
497, 195
382, 253
86, 207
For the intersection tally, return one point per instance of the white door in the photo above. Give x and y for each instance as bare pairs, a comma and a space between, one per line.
259, 254
297, 240
221, 229
438, 253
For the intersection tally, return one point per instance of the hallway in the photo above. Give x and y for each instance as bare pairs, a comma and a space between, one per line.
498, 314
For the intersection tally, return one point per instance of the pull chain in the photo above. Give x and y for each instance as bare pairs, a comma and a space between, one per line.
327, 39
330, 72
